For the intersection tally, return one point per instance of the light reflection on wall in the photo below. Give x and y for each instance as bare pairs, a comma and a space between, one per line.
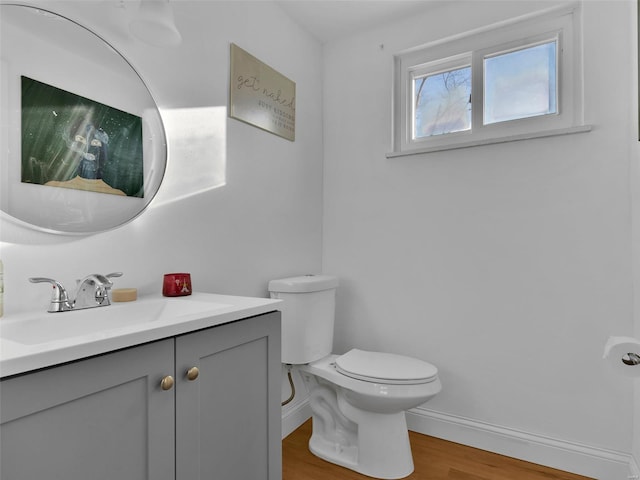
197, 152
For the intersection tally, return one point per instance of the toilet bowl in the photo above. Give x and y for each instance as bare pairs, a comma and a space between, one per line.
358, 400
360, 423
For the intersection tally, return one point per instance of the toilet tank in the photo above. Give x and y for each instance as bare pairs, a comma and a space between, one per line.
308, 313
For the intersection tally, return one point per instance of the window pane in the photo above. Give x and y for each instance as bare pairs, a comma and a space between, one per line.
442, 103
520, 84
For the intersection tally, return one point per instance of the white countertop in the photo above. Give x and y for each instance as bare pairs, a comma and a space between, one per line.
31, 341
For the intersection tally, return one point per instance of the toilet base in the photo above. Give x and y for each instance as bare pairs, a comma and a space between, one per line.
370, 443
382, 452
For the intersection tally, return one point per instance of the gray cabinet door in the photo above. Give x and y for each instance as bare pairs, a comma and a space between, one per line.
228, 419
102, 418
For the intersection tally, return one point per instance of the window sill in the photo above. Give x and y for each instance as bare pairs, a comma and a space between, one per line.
491, 141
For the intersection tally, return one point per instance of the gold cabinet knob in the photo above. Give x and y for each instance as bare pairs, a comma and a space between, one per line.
166, 383
193, 373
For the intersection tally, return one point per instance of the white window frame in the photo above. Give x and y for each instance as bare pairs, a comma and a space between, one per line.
562, 24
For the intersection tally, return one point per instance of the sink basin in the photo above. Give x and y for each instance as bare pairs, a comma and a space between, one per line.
50, 327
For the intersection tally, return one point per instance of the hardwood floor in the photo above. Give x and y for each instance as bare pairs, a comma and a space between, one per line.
434, 459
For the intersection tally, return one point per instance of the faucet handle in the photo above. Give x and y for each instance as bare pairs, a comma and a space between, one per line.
42, 280
59, 297
92, 291
113, 275
59, 292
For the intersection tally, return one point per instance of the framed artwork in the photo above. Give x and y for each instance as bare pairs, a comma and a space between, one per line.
73, 142
260, 96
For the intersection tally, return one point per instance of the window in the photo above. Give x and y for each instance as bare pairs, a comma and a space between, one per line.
521, 84
441, 102
518, 80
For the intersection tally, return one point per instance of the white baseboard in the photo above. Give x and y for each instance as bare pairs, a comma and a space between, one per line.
572, 457
634, 469
295, 416
580, 459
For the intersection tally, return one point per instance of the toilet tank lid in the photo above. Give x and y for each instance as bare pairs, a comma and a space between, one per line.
303, 284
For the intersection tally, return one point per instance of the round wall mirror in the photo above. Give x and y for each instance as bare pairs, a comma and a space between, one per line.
82, 145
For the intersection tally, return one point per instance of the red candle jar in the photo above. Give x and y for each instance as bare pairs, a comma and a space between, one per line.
176, 285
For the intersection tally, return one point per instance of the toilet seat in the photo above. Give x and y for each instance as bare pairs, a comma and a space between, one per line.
387, 368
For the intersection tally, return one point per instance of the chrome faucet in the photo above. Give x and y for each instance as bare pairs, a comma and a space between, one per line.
93, 291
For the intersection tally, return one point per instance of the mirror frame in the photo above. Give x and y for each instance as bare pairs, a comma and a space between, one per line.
69, 48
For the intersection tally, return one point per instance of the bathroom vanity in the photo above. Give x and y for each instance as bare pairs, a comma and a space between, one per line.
189, 396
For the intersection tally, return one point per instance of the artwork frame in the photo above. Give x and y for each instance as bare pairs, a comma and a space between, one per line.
261, 96
71, 141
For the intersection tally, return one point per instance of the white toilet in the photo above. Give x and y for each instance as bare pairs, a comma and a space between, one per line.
358, 400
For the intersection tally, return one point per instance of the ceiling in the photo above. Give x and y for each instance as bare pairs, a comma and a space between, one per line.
332, 19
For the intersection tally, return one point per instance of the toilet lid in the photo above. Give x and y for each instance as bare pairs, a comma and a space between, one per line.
385, 368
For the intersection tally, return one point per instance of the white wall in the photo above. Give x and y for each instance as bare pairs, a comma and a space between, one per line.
265, 220
507, 266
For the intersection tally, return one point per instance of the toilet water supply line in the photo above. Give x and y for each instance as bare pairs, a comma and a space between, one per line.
293, 388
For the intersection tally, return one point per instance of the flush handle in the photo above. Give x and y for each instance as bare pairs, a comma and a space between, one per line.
193, 373
166, 383
631, 359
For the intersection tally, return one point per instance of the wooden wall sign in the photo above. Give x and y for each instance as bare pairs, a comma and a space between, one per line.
260, 96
